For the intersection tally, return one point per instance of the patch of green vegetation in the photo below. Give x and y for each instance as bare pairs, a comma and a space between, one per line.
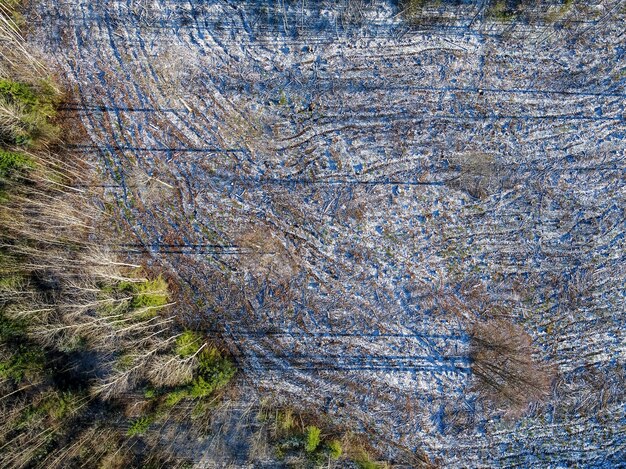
124, 362
17, 17
142, 298
501, 12
411, 9
151, 293
334, 449
558, 12
214, 372
59, 405
10, 283
11, 329
364, 461
285, 420
312, 439
139, 426
188, 343
14, 162
174, 397
282, 99
29, 110
25, 362
291, 437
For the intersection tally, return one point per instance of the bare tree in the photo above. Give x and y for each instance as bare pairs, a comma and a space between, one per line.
507, 374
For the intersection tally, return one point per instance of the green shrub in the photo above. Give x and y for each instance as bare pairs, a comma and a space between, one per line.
174, 397
13, 162
139, 426
58, 405
188, 343
152, 293
11, 329
312, 439
148, 295
557, 13
413, 5
334, 449
214, 372
30, 110
19, 92
124, 362
201, 387
25, 362
500, 11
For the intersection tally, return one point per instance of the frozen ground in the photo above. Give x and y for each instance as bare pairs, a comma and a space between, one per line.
341, 194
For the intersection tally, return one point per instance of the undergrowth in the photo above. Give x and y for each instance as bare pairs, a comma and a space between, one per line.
309, 440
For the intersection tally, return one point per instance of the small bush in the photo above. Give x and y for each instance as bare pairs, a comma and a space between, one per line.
146, 298
19, 92
26, 112
214, 372
201, 387
11, 329
139, 426
10, 283
412, 9
25, 362
59, 405
124, 362
188, 343
334, 449
312, 439
13, 162
501, 12
174, 397
151, 293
